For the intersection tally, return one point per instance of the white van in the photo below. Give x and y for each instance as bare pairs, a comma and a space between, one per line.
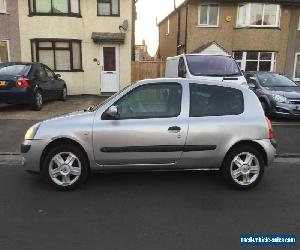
205, 67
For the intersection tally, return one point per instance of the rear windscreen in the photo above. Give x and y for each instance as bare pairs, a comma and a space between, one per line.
20, 70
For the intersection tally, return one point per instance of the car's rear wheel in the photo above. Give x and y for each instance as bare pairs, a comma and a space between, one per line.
64, 93
65, 167
243, 167
37, 101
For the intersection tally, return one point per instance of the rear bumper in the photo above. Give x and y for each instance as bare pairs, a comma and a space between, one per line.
16, 95
269, 147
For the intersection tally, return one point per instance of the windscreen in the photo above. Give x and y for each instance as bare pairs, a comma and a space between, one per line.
17, 69
275, 80
209, 65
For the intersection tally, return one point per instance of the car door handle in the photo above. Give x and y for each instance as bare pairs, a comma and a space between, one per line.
174, 129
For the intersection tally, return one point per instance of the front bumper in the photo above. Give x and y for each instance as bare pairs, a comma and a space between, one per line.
269, 147
32, 151
286, 110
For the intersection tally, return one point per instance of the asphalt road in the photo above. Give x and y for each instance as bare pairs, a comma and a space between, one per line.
176, 210
12, 133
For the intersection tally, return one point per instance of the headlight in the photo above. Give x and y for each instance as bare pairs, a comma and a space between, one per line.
280, 98
31, 132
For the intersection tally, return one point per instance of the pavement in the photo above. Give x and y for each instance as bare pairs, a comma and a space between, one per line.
170, 210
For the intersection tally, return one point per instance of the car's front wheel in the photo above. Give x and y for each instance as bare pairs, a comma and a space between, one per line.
243, 167
66, 167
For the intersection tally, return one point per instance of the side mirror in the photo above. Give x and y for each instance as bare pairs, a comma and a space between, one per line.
56, 76
113, 112
252, 83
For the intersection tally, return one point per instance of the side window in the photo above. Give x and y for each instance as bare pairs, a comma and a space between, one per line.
40, 72
209, 100
181, 68
49, 72
151, 101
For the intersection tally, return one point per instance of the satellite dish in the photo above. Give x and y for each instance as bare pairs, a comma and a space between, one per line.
124, 25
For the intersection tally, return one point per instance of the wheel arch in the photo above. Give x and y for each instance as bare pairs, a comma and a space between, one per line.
253, 144
60, 141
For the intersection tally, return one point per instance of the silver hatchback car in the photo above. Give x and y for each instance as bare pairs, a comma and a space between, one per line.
160, 124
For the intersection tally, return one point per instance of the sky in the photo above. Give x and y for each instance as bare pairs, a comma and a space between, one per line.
147, 12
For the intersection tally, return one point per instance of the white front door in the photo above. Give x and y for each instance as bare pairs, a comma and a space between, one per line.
110, 68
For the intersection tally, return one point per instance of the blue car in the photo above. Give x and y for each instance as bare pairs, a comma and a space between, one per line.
279, 95
30, 83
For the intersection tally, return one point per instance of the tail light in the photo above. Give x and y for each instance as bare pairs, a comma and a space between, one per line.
270, 128
22, 83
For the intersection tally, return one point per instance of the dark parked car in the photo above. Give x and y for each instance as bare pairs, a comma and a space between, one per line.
30, 83
279, 95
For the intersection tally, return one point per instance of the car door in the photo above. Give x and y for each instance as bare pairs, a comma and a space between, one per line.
215, 115
54, 84
149, 133
43, 80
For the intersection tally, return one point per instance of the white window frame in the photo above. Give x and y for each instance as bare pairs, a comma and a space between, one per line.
248, 16
298, 24
168, 27
5, 7
294, 76
244, 60
208, 4
8, 48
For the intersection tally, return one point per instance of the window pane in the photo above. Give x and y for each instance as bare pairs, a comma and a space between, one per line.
256, 14
62, 60
76, 56
238, 55
2, 6
74, 6
49, 73
297, 73
213, 14
251, 66
115, 7
265, 56
152, 101
242, 14
3, 52
45, 44
62, 45
43, 6
203, 14
60, 6
104, 9
264, 66
270, 14
47, 57
215, 101
252, 55
109, 54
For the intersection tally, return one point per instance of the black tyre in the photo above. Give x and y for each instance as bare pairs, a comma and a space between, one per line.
243, 167
66, 167
37, 101
64, 93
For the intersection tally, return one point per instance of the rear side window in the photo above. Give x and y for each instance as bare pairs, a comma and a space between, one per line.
13, 70
209, 100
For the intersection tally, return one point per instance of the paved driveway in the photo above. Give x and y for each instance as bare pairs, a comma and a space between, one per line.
50, 109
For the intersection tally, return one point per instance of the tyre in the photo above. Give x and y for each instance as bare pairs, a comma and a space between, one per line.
243, 167
66, 167
64, 93
37, 101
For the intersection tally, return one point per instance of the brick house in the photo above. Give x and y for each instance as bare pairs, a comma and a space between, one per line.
260, 35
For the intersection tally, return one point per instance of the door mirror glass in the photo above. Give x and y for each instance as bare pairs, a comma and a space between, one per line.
113, 112
252, 83
57, 76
